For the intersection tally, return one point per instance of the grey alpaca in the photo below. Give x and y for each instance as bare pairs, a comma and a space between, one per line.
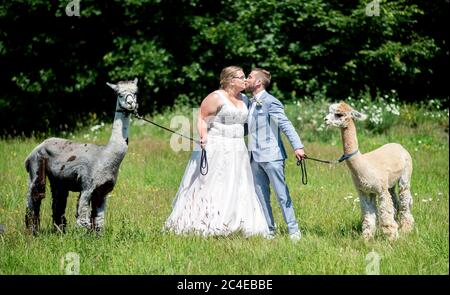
89, 169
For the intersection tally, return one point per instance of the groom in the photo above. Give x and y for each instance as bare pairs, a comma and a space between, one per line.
267, 154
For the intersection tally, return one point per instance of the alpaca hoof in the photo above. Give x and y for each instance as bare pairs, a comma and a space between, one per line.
98, 230
98, 223
392, 235
406, 223
406, 227
98, 227
84, 223
32, 223
393, 238
390, 230
368, 234
367, 237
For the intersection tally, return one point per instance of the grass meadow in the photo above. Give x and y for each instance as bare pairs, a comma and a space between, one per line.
327, 208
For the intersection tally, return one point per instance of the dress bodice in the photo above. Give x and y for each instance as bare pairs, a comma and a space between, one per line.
229, 120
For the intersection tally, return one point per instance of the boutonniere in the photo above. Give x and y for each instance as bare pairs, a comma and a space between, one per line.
258, 101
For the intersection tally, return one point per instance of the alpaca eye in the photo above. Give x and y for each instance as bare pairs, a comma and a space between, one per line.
339, 115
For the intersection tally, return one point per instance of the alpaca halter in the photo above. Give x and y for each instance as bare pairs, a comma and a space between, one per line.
348, 156
125, 110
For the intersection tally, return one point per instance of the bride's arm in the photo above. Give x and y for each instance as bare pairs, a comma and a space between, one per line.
208, 109
202, 127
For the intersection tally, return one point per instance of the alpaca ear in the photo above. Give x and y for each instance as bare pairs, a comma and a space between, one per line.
358, 116
135, 81
113, 86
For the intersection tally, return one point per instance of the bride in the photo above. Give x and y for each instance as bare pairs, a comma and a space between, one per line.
224, 200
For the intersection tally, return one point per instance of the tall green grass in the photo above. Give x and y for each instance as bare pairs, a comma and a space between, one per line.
327, 209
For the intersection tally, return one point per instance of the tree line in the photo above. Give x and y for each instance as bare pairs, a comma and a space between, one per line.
56, 56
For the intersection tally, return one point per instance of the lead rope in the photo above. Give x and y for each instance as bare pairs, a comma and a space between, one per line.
203, 163
203, 158
302, 164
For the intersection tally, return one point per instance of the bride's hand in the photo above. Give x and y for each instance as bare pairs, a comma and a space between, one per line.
203, 143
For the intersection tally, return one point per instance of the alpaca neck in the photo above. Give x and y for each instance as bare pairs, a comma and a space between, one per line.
119, 136
350, 143
349, 139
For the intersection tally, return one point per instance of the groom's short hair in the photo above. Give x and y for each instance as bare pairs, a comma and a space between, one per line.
263, 75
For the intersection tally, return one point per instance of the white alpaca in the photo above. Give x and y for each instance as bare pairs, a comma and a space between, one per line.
375, 175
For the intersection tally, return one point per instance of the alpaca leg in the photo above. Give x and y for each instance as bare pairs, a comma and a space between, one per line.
32, 218
395, 201
78, 206
36, 193
83, 212
369, 215
98, 212
388, 224
59, 206
406, 201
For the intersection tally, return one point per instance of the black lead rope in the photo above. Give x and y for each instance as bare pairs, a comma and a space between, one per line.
203, 158
203, 163
302, 163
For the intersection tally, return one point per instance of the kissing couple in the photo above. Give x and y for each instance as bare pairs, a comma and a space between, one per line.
234, 196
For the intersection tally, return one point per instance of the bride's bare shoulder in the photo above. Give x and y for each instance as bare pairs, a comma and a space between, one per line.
212, 102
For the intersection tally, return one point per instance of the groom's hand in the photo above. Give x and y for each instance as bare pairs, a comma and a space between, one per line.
299, 154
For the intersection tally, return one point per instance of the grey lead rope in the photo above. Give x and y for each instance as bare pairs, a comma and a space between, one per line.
203, 158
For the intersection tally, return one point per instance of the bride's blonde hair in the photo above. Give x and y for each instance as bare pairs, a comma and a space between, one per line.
227, 75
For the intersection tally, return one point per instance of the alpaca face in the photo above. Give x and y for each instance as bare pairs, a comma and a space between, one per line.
126, 92
337, 116
341, 114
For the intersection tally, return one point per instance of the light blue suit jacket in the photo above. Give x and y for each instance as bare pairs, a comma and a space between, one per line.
264, 136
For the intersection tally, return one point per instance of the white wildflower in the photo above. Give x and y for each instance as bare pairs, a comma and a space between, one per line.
96, 127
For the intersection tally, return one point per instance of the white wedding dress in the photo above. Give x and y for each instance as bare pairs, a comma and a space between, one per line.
224, 200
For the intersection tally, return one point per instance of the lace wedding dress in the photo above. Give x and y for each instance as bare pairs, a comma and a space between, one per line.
224, 200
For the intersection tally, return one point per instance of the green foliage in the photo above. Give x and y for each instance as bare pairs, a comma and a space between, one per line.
383, 112
315, 49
